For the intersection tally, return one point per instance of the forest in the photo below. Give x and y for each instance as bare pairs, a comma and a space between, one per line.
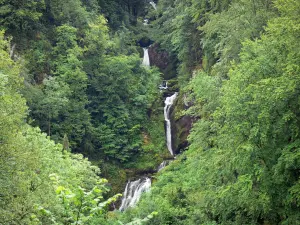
192, 106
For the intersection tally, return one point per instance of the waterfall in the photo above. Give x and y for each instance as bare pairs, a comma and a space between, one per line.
133, 192
11, 51
168, 104
164, 85
146, 61
146, 21
162, 165
153, 4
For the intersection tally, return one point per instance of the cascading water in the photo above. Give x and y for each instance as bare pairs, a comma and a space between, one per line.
134, 189
153, 4
146, 61
146, 21
164, 85
12, 50
162, 165
168, 104
133, 192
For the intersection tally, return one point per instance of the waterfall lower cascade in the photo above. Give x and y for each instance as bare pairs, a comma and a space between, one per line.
133, 192
153, 4
146, 61
168, 104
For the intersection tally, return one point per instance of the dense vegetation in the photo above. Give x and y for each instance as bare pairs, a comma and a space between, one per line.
77, 66
66, 72
242, 165
84, 85
41, 183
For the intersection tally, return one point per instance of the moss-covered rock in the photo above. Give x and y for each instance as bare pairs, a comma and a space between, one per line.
181, 124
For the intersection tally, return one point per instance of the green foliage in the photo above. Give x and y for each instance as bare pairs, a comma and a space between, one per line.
225, 31
28, 158
120, 12
82, 89
68, 12
60, 108
11, 120
138, 221
80, 206
85, 87
120, 93
69, 71
176, 32
208, 33
21, 17
38, 60
242, 164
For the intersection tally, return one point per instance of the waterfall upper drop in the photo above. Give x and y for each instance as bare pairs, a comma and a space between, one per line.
168, 104
146, 60
153, 4
133, 192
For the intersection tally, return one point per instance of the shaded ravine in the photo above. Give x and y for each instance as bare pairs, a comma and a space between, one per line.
134, 189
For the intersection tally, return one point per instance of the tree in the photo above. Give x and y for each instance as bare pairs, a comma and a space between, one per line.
21, 18
67, 12
243, 161
120, 93
30, 162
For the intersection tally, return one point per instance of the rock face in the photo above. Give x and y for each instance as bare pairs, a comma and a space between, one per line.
181, 126
181, 131
163, 60
159, 58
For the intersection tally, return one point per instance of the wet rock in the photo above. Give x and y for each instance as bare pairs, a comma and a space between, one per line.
163, 60
145, 42
181, 131
181, 126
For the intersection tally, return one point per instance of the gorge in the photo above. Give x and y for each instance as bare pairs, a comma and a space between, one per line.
134, 189
190, 108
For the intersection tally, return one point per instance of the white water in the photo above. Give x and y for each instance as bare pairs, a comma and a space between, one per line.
133, 192
168, 104
12, 50
163, 86
146, 60
162, 165
153, 4
146, 21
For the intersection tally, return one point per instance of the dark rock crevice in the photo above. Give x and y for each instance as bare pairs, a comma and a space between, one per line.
163, 60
